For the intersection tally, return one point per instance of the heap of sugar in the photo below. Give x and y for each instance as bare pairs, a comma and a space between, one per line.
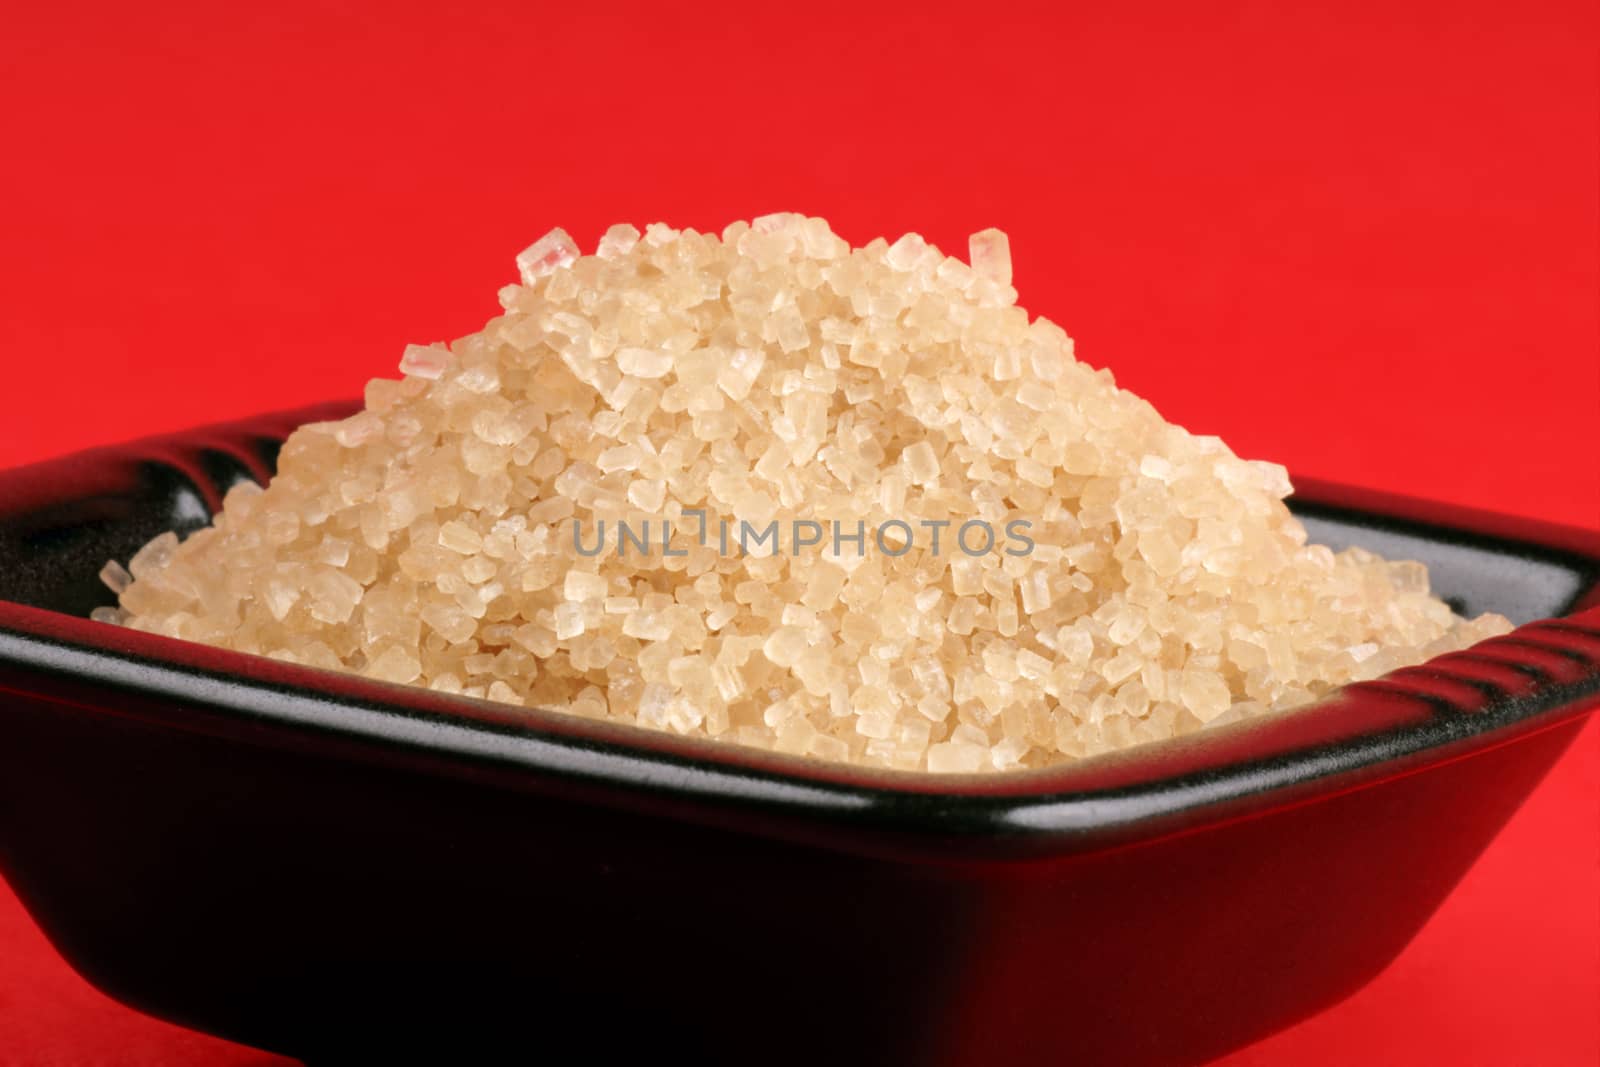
764, 487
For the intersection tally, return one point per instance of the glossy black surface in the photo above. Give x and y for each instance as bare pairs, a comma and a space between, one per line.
346, 870
54, 537
1473, 573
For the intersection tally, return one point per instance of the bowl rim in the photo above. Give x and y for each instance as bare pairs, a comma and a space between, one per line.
1536, 678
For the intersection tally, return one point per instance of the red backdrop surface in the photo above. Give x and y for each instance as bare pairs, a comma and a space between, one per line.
1363, 242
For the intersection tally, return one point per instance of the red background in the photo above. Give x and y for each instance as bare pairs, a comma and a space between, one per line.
1363, 243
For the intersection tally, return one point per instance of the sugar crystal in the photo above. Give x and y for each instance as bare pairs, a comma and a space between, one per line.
990, 252
549, 253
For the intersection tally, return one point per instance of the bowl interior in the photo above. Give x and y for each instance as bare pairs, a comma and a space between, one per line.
60, 521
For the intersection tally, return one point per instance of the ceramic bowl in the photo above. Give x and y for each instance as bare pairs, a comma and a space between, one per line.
341, 869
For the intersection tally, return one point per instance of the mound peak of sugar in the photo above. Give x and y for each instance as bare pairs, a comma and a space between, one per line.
773, 373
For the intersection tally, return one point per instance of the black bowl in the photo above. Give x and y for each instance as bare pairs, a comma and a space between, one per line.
342, 869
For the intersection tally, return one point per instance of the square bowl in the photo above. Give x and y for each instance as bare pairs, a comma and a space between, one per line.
337, 868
